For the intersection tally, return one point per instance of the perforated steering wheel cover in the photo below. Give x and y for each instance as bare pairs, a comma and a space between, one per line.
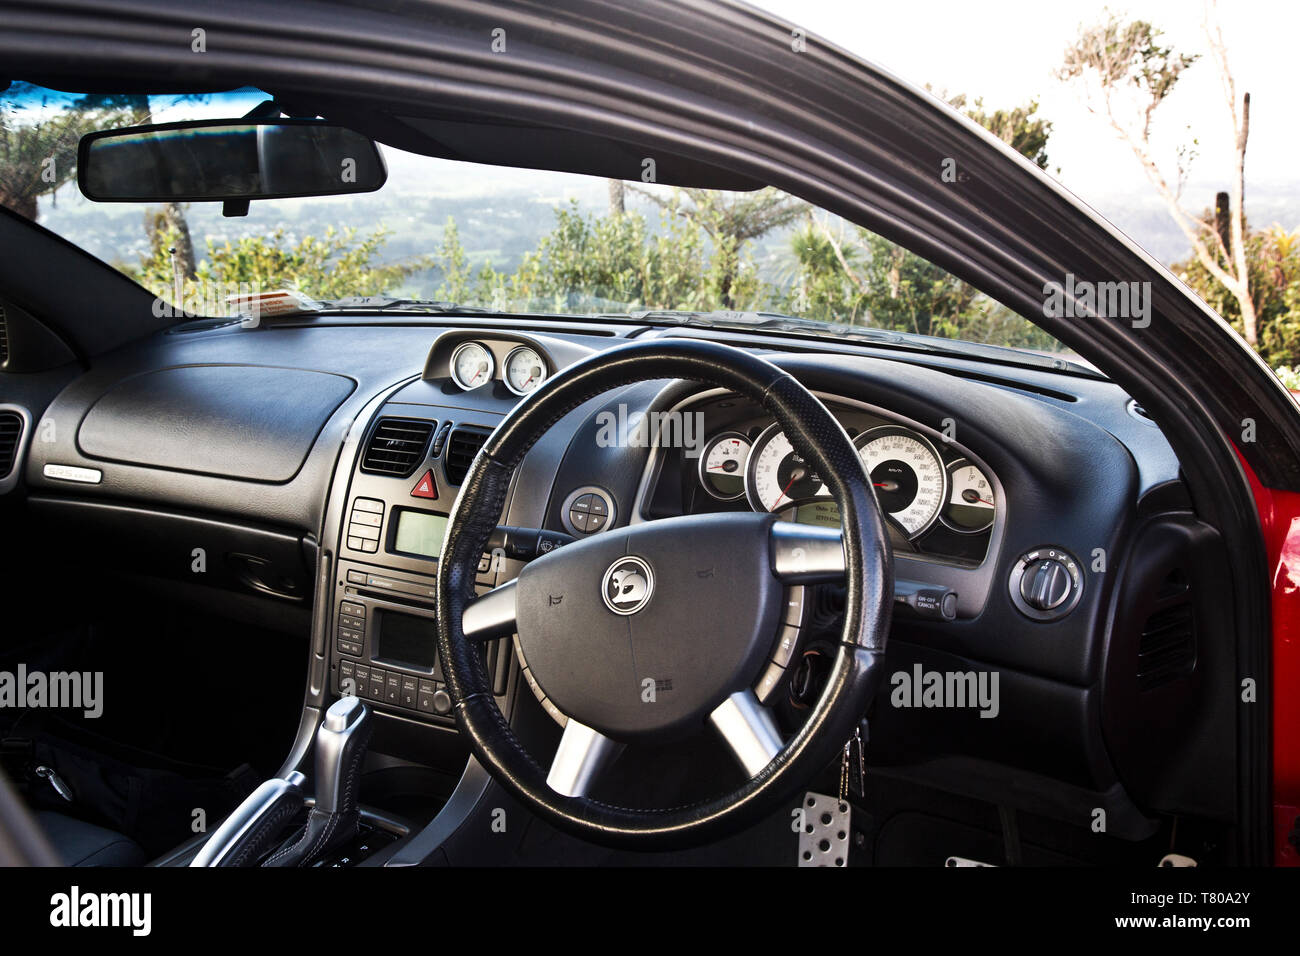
858, 666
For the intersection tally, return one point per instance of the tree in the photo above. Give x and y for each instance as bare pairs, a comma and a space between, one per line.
336, 265
731, 220
1274, 258
1126, 74
1018, 127
39, 134
852, 275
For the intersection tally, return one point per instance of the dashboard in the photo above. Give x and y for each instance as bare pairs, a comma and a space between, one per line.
1047, 514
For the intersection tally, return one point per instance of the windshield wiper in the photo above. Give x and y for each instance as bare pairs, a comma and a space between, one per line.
789, 324
382, 303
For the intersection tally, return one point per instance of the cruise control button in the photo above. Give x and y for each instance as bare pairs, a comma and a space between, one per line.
579, 520
794, 598
532, 683
556, 714
598, 506
767, 684
785, 645
595, 522
581, 503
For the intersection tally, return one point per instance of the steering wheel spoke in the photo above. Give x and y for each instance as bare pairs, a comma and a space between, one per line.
491, 615
583, 753
749, 729
806, 554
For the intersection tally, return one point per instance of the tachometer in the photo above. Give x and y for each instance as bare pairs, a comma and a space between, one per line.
472, 365
776, 476
908, 474
722, 466
524, 370
970, 507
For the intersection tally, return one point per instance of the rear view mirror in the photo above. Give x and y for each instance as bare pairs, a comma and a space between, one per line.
227, 160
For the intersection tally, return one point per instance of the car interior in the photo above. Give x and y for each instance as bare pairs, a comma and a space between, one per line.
332, 565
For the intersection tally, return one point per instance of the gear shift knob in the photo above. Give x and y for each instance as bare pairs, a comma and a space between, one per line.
340, 747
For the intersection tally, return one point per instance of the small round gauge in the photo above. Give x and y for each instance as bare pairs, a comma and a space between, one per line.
777, 476
722, 466
472, 365
524, 370
970, 505
908, 474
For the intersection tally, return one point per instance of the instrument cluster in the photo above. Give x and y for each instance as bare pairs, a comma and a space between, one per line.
931, 492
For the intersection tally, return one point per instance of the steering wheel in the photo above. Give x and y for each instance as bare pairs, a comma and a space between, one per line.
648, 633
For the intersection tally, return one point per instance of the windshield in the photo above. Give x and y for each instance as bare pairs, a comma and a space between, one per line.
448, 234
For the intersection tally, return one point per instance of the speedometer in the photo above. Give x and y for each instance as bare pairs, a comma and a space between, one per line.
908, 475
907, 472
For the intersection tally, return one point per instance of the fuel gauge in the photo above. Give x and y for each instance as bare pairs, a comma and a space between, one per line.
722, 466
971, 506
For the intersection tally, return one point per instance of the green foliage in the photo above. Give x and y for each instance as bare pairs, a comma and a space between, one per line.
1018, 127
1273, 258
1120, 54
883, 285
607, 263
335, 265
38, 140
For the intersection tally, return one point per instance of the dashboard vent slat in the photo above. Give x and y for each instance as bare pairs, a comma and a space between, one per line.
462, 445
11, 433
397, 447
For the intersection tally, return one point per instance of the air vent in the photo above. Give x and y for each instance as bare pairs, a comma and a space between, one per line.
462, 445
1167, 647
11, 433
4, 340
397, 447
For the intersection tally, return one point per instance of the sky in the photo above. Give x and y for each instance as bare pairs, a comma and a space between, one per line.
1007, 51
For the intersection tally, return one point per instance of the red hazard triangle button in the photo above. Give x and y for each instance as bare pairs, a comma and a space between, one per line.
424, 487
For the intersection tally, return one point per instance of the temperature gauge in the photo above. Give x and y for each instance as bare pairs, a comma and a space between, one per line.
722, 466
472, 365
971, 505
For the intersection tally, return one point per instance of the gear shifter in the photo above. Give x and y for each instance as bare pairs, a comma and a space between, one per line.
340, 748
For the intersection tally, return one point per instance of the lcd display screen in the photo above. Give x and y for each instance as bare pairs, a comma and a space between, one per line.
418, 532
407, 639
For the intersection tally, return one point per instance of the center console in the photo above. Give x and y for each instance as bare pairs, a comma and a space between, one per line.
383, 610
